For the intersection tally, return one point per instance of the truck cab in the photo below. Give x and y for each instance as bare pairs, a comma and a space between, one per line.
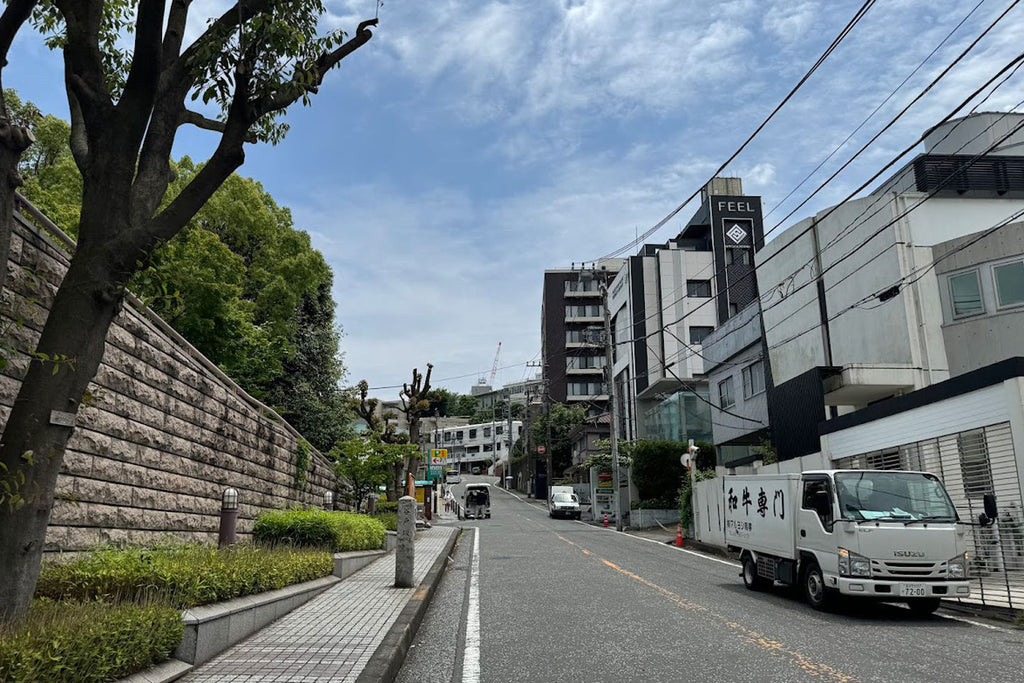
889, 535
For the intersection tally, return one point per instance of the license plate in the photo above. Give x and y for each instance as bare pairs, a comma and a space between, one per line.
912, 591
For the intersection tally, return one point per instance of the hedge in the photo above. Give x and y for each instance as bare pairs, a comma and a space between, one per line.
183, 575
334, 531
87, 642
388, 519
657, 471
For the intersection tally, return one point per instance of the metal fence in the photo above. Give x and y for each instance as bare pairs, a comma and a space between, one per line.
971, 464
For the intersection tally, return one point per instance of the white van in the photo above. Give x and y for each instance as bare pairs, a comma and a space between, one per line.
452, 477
563, 502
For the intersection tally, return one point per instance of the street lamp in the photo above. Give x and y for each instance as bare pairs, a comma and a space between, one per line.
228, 517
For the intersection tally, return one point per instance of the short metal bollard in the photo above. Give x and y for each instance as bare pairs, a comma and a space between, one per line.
406, 550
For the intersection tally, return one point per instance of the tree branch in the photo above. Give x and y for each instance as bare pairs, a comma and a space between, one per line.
144, 76
16, 14
175, 33
310, 79
200, 121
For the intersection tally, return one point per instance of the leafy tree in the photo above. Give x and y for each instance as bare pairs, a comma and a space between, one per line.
707, 456
127, 103
601, 458
365, 462
657, 469
562, 419
444, 403
415, 404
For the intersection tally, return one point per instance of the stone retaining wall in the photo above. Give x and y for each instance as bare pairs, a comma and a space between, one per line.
162, 432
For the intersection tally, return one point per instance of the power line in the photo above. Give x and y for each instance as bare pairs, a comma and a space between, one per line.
821, 59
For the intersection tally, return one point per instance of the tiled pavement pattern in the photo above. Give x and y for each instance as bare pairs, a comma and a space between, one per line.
331, 637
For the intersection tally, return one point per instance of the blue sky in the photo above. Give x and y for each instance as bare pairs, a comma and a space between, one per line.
472, 144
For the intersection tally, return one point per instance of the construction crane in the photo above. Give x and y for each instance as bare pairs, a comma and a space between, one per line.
494, 368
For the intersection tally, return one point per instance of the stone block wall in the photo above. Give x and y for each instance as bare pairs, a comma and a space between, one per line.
162, 432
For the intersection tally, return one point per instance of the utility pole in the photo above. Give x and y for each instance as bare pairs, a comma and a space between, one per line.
526, 445
509, 438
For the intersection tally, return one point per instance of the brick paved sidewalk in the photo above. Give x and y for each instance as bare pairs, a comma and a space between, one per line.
333, 636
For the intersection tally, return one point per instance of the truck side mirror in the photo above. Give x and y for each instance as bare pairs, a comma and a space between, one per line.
823, 504
989, 515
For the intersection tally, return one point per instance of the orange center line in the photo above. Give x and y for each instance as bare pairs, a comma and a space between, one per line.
802, 661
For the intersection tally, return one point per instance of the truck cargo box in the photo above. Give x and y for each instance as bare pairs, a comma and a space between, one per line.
761, 511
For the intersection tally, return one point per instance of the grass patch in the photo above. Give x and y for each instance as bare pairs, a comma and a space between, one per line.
87, 642
185, 575
311, 528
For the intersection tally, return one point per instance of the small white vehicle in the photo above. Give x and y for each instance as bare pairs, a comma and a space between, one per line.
563, 502
476, 502
452, 477
887, 535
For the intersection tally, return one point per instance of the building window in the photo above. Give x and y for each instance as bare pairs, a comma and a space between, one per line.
585, 388
965, 291
472, 433
498, 430
974, 463
498, 446
487, 432
735, 255
698, 288
487, 448
458, 435
699, 332
1009, 283
584, 362
519, 430
725, 397
753, 379
447, 436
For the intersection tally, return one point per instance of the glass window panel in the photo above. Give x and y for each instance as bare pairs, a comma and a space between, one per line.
965, 290
1010, 283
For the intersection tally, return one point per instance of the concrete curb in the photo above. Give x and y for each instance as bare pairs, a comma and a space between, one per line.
168, 671
388, 658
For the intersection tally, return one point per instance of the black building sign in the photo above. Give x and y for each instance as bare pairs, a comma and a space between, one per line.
737, 231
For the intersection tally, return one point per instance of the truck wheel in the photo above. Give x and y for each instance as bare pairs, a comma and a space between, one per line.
923, 606
750, 578
815, 592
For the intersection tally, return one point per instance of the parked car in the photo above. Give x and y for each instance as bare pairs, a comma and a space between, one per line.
476, 470
452, 477
564, 504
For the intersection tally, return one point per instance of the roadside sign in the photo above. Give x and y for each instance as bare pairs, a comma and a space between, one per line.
434, 471
541, 450
439, 456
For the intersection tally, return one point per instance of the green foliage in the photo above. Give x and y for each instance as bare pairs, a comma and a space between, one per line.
387, 506
182, 575
561, 419
303, 455
366, 461
601, 458
686, 495
707, 456
388, 519
311, 528
769, 456
444, 403
657, 470
86, 642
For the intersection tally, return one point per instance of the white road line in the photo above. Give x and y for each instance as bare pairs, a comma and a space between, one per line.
471, 659
976, 623
672, 547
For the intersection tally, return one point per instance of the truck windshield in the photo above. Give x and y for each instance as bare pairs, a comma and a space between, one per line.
898, 496
563, 498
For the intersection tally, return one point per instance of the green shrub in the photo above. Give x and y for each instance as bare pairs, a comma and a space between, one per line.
657, 471
86, 642
388, 519
686, 495
387, 506
184, 575
335, 531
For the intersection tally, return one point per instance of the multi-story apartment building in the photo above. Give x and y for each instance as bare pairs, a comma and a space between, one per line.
514, 392
572, 352
480, 445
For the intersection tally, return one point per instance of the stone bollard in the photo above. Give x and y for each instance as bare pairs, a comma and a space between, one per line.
406, 551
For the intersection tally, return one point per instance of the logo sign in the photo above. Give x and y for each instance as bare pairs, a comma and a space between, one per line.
439, 456
736, 233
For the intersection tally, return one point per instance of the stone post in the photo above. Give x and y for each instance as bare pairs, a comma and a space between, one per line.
406, 550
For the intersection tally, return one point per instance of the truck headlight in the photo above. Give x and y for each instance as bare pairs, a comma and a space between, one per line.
852, 564
956, 568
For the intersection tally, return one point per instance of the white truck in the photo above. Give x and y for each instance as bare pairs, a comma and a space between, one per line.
887, 535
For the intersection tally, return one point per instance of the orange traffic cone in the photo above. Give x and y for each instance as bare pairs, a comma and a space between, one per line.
606, 519
679, 535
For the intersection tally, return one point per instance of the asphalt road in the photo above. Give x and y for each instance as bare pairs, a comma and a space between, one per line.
563, 601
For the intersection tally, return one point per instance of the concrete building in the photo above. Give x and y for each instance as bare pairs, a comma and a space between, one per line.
476, 445
515, 392
667, 299
572, 355
734, 360
900, 289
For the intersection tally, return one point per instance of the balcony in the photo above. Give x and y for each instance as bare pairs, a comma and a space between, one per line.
859, 385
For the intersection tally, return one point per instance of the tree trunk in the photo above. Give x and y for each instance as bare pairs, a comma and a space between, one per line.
36, 433
14, 140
